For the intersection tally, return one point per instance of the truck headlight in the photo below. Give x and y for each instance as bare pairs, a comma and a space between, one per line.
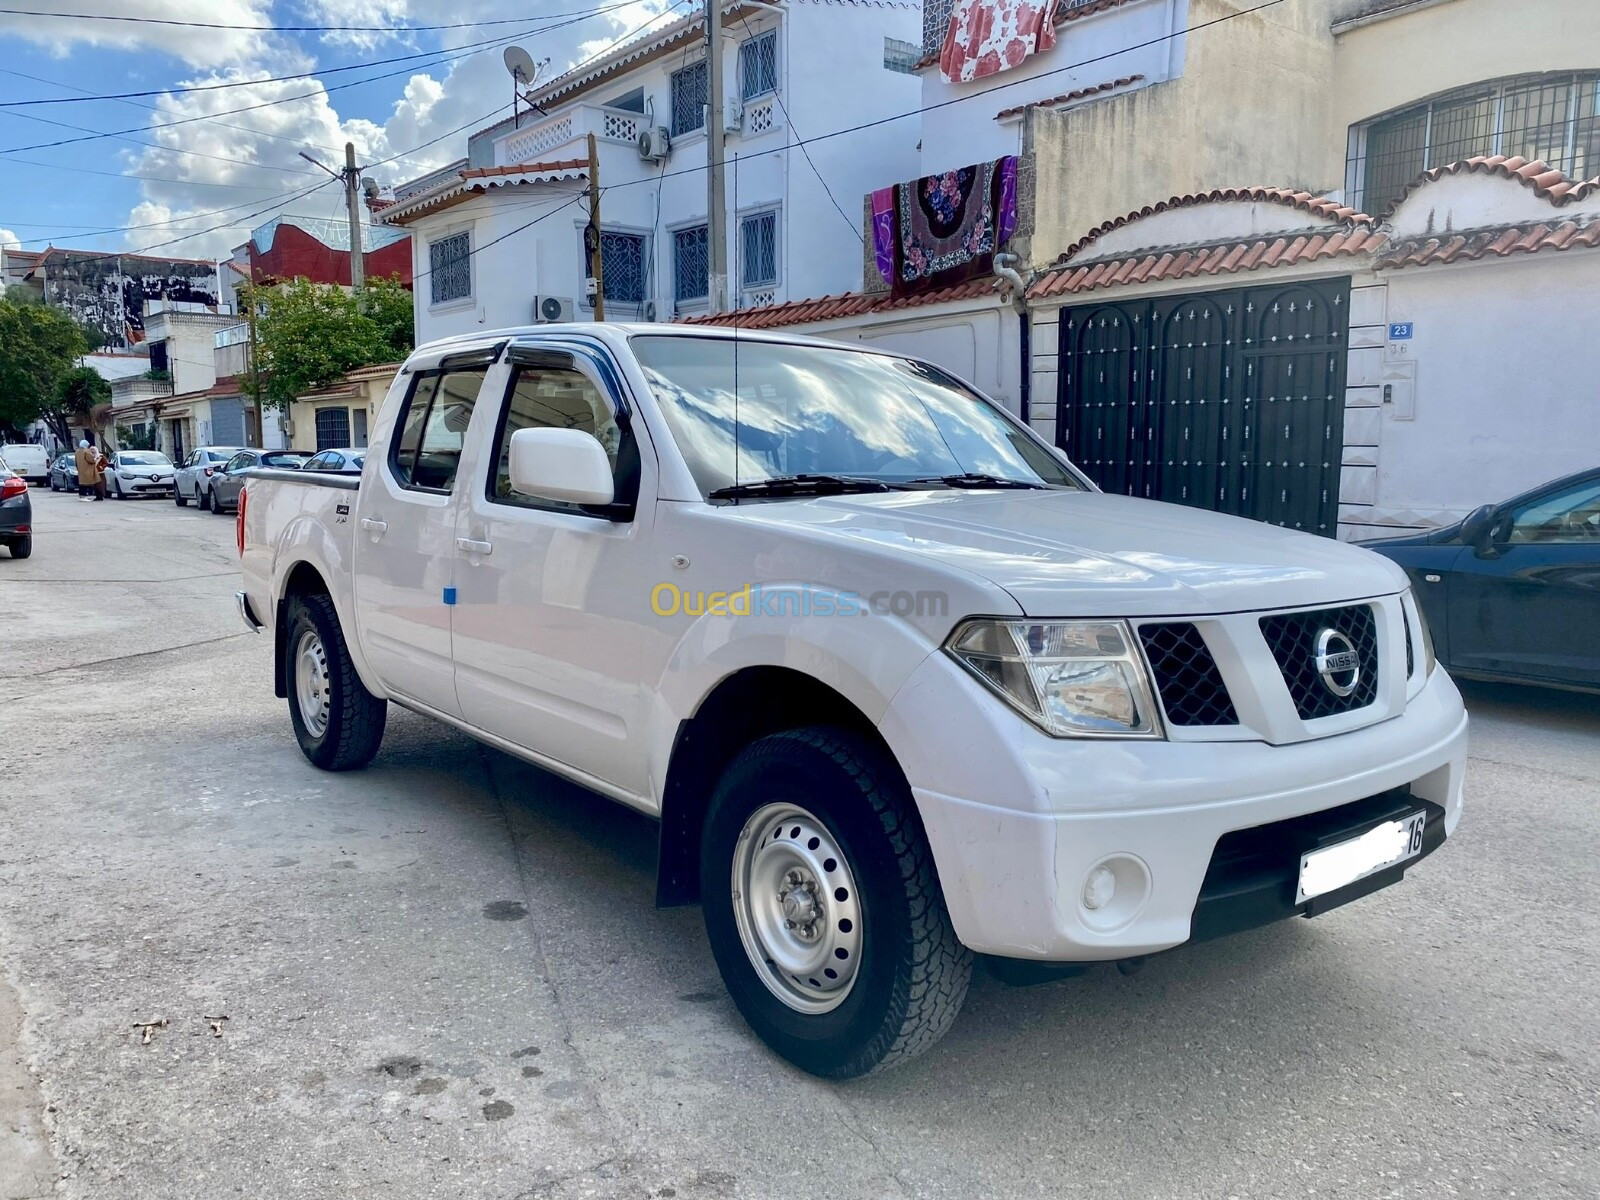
1070, 678
1428, 660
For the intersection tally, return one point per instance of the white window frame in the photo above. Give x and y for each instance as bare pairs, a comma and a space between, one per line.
693, 303
616, 308
454, 302
777, 65
747, 214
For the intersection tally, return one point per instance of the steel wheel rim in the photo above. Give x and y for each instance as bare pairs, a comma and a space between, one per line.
311, 683
797, 907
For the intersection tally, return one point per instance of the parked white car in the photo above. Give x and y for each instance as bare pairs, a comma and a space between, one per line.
193, 478
30, 461
900, 684
135, 473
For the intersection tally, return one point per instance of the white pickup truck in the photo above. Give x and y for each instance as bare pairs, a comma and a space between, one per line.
900, 684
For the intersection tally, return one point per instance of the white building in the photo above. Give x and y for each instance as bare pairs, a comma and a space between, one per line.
503, 230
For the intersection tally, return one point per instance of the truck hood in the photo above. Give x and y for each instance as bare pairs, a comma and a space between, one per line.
1061, 553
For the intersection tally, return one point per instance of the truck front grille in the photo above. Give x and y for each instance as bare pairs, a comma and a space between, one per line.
1186, 675
1292, 638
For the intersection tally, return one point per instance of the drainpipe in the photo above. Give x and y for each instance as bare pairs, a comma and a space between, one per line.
1005, 268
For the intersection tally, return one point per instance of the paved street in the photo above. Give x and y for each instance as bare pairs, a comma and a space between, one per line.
443, 976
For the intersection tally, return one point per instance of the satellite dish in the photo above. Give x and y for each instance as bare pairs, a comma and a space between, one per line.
520, 63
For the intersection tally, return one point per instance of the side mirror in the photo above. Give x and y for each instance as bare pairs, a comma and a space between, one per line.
1477, 524
560, 464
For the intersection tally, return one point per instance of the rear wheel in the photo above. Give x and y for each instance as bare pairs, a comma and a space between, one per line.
22, 547
823, 908
337, 721
202, 498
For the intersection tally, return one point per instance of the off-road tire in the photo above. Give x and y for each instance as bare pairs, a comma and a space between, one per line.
21, 547
356, 717
913, 973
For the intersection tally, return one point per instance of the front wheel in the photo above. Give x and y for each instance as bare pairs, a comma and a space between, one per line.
337, 721
179, 498
823, 908
116, 491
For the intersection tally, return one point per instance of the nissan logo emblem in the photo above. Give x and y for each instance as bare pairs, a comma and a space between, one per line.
1337, 662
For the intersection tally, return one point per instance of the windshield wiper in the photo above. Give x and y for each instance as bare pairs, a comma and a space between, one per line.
974, 479
800, 485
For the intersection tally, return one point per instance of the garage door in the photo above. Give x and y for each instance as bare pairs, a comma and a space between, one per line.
1230, 400
227, 421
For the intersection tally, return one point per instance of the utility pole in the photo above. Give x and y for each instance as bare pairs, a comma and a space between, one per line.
351, 176
716, 205
592, 242
352, 199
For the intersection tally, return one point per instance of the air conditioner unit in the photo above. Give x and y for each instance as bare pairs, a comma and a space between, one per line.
655, 144
732, 115
547, 310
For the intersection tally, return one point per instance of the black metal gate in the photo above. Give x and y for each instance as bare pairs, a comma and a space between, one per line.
1230, 400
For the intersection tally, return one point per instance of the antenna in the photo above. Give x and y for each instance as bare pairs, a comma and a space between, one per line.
523, 71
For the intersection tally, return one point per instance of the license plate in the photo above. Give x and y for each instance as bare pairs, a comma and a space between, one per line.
1333, 867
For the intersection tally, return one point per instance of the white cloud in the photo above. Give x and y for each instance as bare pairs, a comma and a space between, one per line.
259, 150
197, 47
9, 239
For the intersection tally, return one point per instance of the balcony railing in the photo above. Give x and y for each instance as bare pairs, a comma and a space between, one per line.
544, 138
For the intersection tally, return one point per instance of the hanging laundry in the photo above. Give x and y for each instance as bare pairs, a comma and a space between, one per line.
883, 231
947, 227
986, 37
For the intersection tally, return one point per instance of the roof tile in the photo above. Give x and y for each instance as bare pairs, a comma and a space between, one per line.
1069, 97
847, 304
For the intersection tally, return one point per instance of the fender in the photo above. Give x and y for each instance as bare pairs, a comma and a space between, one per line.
307, 540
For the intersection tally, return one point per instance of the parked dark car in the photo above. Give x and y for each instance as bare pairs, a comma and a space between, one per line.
226, 480
16, 513
1512, 591
64, 473
342, 461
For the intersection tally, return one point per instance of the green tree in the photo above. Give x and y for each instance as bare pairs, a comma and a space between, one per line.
309, 335
38, 346
77, 392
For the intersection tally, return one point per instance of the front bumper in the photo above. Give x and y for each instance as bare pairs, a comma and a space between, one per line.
1153, 812
145, 487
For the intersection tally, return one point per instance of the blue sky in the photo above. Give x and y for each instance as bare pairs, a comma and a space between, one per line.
173, 186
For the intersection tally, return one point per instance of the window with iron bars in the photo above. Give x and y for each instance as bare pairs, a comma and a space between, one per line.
758, 250
1552, 118
623, 257
450, 268
691, 266
758, 65
689, 90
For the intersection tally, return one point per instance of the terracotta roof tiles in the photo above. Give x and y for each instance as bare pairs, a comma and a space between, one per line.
1545, 181
526, 168
1069, 97
1160, 265
1315, 205
846, 304
1485, 243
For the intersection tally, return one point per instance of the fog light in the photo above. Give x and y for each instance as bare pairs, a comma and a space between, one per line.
1100, 888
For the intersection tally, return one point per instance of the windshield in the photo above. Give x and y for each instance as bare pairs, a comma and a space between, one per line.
143, 458
813, 410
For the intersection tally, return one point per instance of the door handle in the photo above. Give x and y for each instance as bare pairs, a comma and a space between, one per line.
474, 547
374, 525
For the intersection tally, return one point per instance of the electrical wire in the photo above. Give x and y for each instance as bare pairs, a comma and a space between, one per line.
527, 31
26, 12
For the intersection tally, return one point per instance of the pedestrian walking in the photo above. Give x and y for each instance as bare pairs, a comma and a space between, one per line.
87, 461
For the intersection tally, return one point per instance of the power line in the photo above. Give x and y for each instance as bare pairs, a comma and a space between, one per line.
527, 31
26, 12
592, 58
149, 224
282, 137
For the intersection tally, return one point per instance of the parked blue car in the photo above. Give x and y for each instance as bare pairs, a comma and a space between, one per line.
1512, 591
